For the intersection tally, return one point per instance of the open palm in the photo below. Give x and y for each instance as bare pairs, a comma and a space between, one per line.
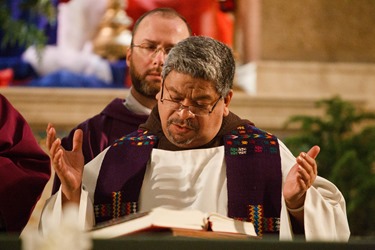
68, 165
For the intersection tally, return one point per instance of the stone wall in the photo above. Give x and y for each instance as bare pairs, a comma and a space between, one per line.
318, 30
315, 49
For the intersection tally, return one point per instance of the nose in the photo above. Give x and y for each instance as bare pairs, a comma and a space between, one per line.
184, 112
159, 57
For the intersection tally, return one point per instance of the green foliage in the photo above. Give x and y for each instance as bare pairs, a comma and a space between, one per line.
21, 32
347, 156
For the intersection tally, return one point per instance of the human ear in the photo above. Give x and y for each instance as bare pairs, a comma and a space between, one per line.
128, 56
227, 100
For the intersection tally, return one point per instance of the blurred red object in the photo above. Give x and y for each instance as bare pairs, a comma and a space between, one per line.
206, 17
6, 77
227, 5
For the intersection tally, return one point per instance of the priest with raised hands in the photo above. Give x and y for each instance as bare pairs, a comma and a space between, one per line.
194, 153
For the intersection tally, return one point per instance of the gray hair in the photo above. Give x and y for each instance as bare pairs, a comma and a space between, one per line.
204, 58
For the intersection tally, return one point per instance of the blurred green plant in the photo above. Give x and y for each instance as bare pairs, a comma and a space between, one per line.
346, 136
21, 32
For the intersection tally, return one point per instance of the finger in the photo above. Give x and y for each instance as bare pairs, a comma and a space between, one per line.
307, 162
306, 175
48, 140
49, 126
51, 135
54, 147
303, 184
306, 171
314, 151
309, 158
57, 163
311, 163
77, 140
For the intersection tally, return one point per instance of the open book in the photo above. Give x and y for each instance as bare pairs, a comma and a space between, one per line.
162, 218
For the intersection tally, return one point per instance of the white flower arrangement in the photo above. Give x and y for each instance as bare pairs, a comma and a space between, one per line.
61, 236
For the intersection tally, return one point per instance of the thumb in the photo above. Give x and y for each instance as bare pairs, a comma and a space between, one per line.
77, 140
314, 151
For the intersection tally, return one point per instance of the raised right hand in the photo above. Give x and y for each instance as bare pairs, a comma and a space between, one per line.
68, 165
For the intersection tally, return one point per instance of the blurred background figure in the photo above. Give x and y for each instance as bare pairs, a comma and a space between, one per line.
91, 39
24, 169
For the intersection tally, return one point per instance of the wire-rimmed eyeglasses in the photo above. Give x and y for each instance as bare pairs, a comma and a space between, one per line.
151, 49
196, 110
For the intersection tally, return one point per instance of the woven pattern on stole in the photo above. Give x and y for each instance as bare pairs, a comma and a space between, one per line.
117, 209
119, 206
243, 140
262, 224
138, 138
240, 138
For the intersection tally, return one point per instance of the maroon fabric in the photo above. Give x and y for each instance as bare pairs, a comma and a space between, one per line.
24, 168
103, 129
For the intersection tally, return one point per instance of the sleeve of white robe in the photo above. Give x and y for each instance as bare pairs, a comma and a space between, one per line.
325, 216
52, 213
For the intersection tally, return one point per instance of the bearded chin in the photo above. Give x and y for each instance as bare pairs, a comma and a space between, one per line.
178, 140
142, 86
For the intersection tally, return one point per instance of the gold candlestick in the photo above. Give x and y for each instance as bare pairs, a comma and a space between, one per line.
113, 36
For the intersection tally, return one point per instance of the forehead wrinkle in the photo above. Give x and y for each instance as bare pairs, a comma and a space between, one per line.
192, 93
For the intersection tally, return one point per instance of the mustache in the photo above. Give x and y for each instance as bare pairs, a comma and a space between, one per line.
183, 123
155, 70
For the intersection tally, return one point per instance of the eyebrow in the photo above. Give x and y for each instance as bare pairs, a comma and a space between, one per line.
155, 42
199, 98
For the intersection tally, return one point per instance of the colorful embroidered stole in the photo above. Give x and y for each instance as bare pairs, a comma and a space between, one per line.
253, 173
254, 177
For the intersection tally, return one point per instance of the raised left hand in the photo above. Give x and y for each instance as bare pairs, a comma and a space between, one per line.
300, 178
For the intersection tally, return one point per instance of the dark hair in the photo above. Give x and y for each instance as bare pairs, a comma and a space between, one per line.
204, 58
165, 12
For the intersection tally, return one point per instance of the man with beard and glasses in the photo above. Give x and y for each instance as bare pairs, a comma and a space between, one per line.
153, 35
193, 153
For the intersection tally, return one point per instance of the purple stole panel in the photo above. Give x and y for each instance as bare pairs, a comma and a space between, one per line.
253, 173
254, 177
120, 181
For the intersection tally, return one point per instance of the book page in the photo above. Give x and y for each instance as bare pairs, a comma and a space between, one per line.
221, 223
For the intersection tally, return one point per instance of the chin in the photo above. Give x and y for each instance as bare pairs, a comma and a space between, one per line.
180, 142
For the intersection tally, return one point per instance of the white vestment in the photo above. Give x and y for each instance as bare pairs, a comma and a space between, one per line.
181, 181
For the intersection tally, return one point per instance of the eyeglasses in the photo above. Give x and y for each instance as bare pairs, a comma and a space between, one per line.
152, 50
196, 110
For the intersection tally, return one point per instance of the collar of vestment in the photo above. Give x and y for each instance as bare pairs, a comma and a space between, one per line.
153, 125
